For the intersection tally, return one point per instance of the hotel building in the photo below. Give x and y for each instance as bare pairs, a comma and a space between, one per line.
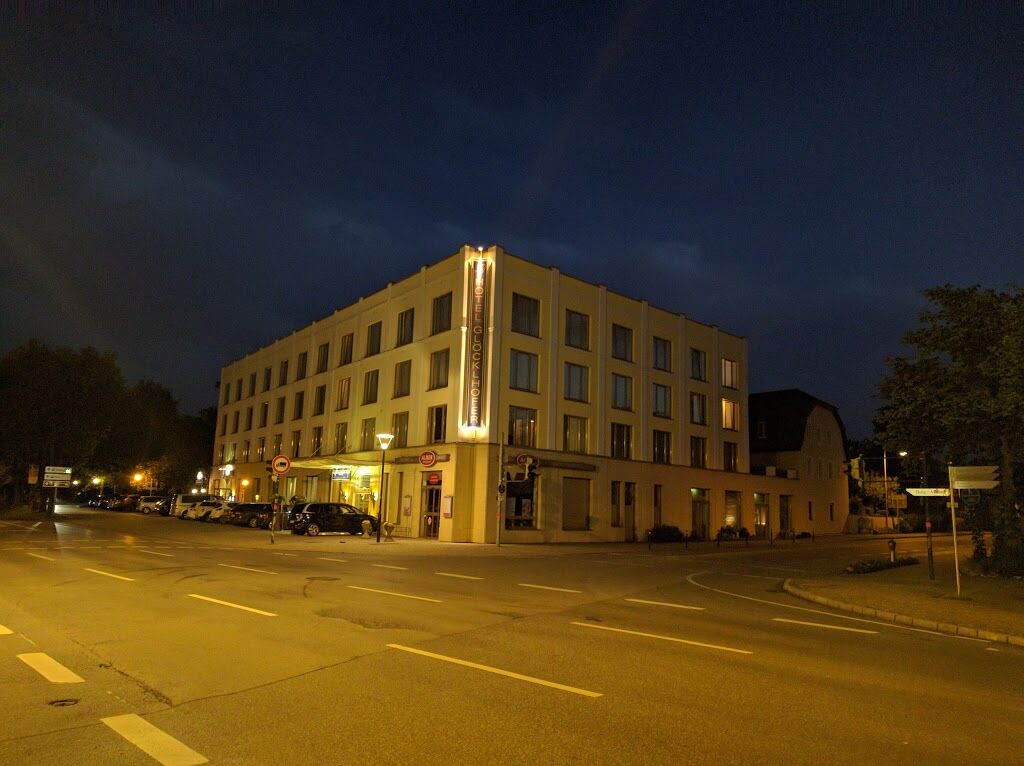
514, 392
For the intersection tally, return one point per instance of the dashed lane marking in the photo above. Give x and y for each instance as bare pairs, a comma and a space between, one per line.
665, 603
497, 671
108, 574
672, 639
458, 576
823, 625
232, 605
247, 569
155, 553
154, 742
389, 566
328, 558
40, 556
547, 587
393, 593
286, 554
49, 668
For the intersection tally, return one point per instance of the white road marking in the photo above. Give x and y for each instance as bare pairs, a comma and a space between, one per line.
247, 569
234, 606
497, 671
5, 631
154, 742
286, 554
155, 553
663, 638
823, 625
40, 556
689, 579
548, 587
753, 576
388, 566
326, 558
108, 574
991, 649
392, 593
460, 577
665, 603
50, 669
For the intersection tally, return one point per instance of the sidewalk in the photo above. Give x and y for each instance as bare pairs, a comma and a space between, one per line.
989, 607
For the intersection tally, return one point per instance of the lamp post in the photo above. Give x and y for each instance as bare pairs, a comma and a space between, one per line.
245, 484
384, 440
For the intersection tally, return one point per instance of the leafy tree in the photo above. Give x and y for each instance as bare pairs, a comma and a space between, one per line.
961, 396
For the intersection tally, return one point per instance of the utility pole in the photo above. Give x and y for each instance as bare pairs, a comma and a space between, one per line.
501, 491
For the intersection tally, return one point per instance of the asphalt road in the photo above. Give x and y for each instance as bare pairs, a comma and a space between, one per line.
131, 639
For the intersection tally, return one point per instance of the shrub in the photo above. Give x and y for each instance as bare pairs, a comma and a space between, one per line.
665, 533
726, 533
876, 565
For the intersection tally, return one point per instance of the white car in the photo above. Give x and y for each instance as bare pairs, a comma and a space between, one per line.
150, 503
214, 509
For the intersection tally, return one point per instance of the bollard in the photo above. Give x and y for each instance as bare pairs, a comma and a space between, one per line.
389, 529
892, 551
367, 527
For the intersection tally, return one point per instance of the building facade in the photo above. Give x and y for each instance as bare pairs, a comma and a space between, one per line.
514, 392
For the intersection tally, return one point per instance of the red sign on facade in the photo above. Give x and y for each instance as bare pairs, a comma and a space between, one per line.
433, 479
428, 458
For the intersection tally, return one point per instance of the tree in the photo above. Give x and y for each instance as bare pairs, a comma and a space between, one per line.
961, 396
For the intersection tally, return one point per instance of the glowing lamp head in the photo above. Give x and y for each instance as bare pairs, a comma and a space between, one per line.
137, 477
384, 440
96, 480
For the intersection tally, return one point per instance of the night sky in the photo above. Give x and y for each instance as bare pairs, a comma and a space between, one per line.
183, 187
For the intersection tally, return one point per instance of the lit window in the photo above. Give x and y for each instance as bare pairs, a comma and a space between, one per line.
574, 434
730, 415
344, 390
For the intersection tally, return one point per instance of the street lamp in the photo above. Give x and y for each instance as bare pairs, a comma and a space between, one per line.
384, 440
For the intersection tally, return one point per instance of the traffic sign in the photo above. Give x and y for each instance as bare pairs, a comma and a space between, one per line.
524, 458
428, 458
281, 464
56, 476
974, 476
928, 491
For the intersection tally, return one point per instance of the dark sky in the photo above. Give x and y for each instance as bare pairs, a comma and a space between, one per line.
182, 187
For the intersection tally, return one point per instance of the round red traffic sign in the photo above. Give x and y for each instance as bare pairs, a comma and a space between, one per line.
428, 458
524, 458
280, 464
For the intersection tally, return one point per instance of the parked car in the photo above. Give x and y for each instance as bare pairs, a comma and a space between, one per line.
213, 510
313, 518
112, 502
129, 503
181, 503
149, 503
250, 515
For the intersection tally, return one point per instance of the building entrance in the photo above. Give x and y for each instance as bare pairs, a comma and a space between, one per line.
431, 511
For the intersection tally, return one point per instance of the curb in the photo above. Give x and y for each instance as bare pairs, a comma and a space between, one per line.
902, 619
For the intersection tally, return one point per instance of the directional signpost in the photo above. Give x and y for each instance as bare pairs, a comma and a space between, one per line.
967, 477
56, 476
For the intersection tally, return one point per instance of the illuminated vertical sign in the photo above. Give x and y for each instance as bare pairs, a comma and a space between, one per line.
475, 373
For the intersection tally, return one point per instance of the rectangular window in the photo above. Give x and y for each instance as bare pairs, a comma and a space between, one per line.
662, 355
622, 440
238, 389
730, 415
522, 427
662, 450
296, 444
730, 374
437, 422
323, 356
577, 384
622, 343
733, 509
810, 510
248, 418
616, 520
320, 400
405, 325
577, 329
227, 393
439, 361
698, 364
762, 429
261, 449
282, 374
525, 315
300, 368
441, 314
279, 410
831, 511
298, 405
266, 378
277, 444
662, 404
698, 409
368, 434
340, 437
698, 452
403, 374
252, 384
344, 390
234, 421
730, 456
370, 387
345, 355
523, 371
400, 429
264, 414
318, 440
223, 424
622, 392
220, 454
231, 452
373, 339
574, 434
